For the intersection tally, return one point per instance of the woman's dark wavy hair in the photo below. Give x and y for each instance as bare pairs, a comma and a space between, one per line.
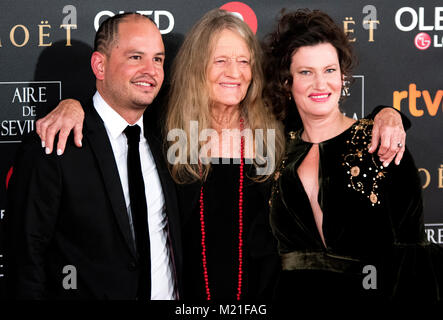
296, 29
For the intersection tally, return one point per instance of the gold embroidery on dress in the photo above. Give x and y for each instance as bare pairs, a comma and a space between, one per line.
363, 177
277, 175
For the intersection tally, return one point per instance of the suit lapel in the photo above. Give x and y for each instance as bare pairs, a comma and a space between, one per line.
101, 148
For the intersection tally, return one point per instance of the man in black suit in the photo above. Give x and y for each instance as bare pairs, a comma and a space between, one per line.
72, 228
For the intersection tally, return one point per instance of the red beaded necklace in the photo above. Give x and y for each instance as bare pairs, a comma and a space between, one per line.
240, 225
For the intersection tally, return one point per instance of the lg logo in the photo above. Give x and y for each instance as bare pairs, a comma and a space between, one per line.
244, 12
162, 18
422, 41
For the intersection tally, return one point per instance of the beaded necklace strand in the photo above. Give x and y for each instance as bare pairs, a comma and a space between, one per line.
240, 225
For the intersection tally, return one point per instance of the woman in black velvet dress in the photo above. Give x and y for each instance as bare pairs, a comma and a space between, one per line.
347, 226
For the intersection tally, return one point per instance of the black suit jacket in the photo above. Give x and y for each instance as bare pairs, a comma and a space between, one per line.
70, 210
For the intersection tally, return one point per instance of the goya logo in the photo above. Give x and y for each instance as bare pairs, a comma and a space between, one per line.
244, 12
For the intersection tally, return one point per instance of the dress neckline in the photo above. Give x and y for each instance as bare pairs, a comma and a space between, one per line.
330, 139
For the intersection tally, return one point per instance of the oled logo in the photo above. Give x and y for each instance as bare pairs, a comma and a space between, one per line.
408, 19
163, 19
422, 41
244, 12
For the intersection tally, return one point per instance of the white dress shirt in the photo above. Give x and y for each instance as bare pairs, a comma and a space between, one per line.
162, 279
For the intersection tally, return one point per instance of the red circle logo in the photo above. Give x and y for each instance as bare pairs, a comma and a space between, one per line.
244, 12
422, 41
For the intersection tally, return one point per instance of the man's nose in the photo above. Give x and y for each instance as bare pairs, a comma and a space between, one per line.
149, 67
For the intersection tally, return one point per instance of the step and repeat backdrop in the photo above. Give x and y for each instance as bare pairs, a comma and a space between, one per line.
45, 49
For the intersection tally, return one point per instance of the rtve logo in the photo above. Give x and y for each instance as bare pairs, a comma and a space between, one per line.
407, 19
432, 104
244, 12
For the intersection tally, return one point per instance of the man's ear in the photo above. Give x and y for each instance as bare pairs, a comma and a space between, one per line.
98, 63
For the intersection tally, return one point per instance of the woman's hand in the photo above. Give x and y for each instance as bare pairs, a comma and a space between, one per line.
388, 129
66, 116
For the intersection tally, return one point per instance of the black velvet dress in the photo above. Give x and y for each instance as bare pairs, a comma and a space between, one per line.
372, 226
261, 263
